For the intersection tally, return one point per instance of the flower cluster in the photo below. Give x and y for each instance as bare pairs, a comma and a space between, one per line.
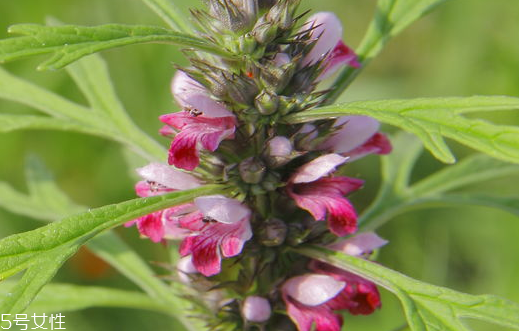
283, 190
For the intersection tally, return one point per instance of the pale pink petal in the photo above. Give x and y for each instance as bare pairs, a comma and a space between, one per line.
168, 176
279, 146
185, 267
353, 132
190, 94
256, 309
233, 241
328, 32
360, 244
222, 209
317, 168
313, 289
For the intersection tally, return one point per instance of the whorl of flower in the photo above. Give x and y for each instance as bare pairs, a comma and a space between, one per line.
233, 130
314, 298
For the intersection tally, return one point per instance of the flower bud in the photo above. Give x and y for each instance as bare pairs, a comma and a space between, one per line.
278, 152
280, 15
266, 103
256, 309
252, 170
273, 233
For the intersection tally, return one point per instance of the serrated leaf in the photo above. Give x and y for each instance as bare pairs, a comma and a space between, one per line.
433, 119
69, 43
34, 249
391, 17
170, 13
61, 298
427, 307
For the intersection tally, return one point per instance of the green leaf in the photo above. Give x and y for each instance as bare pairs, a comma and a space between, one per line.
65, 297
68, 43
45, 200
93, 79
170, 13
432, 119
57, 241
391, 17
427, 307
397, 195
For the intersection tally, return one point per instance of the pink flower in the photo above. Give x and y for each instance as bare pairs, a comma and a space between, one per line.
356, 136
160, 179
256, 309
219, 228
204, 123
310, 299
327, 31
313, 298
323, 196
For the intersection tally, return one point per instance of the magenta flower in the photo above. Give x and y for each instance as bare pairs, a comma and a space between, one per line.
329, 47
219, 228
160, 179
310, 299
356, 136
313, 298
204, 123
323, 196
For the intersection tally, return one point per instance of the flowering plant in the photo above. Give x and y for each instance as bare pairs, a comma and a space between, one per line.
250, 192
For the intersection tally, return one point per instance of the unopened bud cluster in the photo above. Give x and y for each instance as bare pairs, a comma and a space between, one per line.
233, 130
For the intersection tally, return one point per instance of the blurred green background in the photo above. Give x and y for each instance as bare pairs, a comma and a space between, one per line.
465, 47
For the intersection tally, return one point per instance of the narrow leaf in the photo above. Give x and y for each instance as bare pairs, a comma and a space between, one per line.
427, 307
68, 43
59, 298
434, 119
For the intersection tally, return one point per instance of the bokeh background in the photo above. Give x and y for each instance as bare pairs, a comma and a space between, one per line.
465, 47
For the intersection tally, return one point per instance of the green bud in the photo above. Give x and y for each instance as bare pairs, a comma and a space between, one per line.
280, 15
252, 170
273, 233
247, 43
266, 103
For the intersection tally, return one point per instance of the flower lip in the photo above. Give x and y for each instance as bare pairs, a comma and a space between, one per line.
168, 176
222, 209
317, 168
313, 289
353, 132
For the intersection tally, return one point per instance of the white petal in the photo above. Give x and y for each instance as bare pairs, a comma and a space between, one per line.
359, 244
313, 289
317, 168
222, 209
168, 176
